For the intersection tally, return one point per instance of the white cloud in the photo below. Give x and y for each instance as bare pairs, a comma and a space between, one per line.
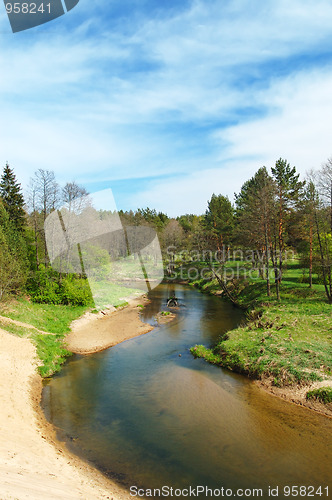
191, 193
297, 128
158, 98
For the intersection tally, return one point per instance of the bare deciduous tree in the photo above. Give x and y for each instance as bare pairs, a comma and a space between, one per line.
73, 191
43, 199
324, 184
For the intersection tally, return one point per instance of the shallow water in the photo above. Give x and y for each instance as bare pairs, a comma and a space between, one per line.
149, 417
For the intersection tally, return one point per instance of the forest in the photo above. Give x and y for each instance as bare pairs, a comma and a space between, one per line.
277, 218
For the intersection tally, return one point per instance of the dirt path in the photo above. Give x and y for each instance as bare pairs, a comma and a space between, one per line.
8, 321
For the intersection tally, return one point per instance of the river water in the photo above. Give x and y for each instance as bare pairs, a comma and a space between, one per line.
149, 417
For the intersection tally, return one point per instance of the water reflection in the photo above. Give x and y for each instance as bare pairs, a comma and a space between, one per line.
150, 417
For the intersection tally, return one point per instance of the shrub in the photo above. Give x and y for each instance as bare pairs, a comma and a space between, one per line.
43, 288
75, 292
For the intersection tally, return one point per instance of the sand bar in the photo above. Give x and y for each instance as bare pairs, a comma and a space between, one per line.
93, 333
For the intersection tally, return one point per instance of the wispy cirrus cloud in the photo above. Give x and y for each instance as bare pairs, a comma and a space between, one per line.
140, 90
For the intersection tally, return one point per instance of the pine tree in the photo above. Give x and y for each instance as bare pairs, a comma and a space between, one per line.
289, 190
12, 198
255, 216
219, 221
13, 260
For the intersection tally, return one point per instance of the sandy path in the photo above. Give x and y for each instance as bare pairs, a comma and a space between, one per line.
8, 321
94, 333
31, 466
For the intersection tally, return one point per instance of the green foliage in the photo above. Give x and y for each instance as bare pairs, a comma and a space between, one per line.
45, 287
75, 292
10, 192
13, 262
158, 220
288, 183
50, 348
289, 342
255, 211
323, 394
92, 254
219, 219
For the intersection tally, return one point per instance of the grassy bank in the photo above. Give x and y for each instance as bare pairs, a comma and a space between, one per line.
288, 342
55, 319
47, 317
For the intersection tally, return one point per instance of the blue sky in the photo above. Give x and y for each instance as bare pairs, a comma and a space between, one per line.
167, 102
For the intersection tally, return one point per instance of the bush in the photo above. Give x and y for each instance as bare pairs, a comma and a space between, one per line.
45, 287
75, 292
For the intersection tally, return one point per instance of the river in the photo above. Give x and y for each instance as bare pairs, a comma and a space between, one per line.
147, 413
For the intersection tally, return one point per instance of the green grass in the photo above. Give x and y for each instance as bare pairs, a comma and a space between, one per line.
50, 348
47, 317
51, 352
19, 331
120, 305
55, 319
106, 293
290, 340
323, 394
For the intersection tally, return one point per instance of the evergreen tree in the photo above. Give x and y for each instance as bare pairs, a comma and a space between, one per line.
13, 259
255, 216
13, 201
219, 221
289, 191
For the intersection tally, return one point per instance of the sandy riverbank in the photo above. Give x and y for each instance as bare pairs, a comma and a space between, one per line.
94, 333
33, 464
297, 395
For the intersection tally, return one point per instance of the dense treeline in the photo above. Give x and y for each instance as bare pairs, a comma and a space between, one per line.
275, 215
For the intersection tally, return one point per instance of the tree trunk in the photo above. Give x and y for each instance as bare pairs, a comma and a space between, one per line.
36, 241
310, 257
267, 258
321, 251
280, 235
224, 287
